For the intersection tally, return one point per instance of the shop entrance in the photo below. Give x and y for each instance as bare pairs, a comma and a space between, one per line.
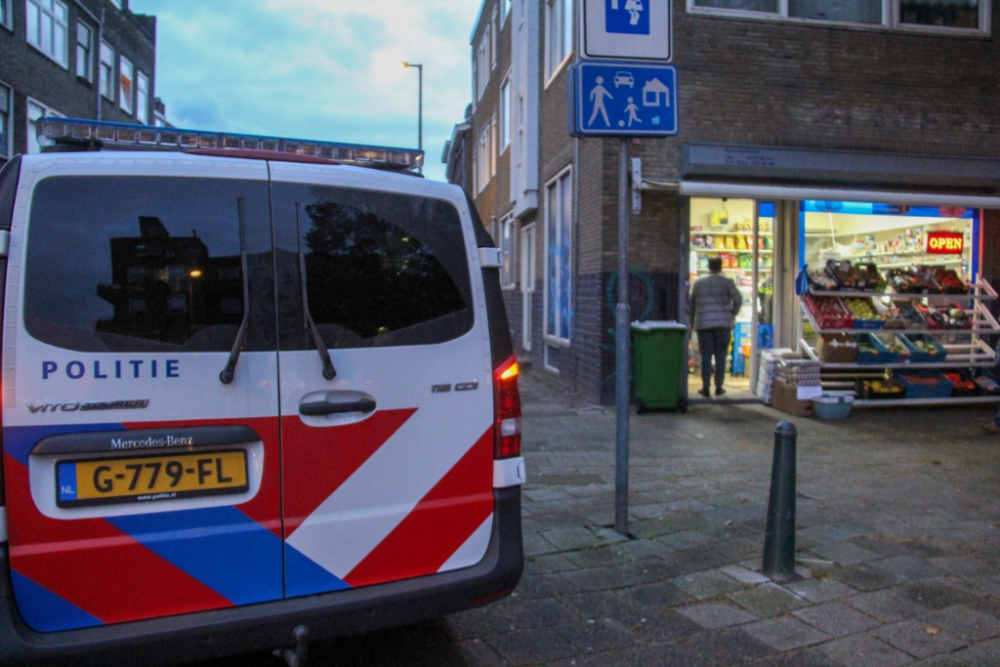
741, 233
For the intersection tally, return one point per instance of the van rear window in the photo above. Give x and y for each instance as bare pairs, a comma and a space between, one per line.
382, 269
142, 264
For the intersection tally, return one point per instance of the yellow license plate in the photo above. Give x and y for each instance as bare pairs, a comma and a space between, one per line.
137, 479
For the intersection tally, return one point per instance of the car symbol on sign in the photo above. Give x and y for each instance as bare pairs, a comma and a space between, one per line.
624, 79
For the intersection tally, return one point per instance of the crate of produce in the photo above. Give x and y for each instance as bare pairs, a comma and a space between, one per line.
880, 390
962, 383
949, 280
915, 280
864, 312
837, 349
924, 349
829, 312
949, 317
872, 351
985, 381
868, 277
925, 384
911, 313
894, 346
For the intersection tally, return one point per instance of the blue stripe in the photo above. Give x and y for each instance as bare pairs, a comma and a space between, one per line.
304, 577
220, 546
44, 611
19, 440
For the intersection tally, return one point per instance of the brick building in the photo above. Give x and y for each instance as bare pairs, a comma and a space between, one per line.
789, 114
78, 58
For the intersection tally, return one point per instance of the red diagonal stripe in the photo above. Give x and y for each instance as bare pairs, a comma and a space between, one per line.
95, 566
318, 460
440, 523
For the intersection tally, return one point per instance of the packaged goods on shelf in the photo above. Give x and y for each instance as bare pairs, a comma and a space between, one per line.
837, 349
925, 384
923, 348
765, 374
799, 372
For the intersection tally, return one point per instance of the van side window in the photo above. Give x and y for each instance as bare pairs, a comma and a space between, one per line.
381, 269
127, 264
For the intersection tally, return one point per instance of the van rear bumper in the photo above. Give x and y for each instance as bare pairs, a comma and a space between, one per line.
205, 635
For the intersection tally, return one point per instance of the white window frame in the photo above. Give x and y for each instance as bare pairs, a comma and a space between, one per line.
505, 6
6, 14
88, 47
521, 136
890, 19
106, 85
46, 111
494, 46
483, 159
482, 66
126, 92
505, 123
508, 244
494, 145
557, 185
142, 97
45, 10
7, 95
558, 37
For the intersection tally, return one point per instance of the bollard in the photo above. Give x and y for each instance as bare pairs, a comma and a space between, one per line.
779, 539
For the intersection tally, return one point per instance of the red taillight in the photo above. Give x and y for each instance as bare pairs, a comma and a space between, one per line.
507, 411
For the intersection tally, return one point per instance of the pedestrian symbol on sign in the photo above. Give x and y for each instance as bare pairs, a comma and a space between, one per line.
626, 16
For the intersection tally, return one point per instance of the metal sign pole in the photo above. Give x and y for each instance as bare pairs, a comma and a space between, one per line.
624, 348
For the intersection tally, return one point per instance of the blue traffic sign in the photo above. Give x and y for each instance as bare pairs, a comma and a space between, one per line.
624, 99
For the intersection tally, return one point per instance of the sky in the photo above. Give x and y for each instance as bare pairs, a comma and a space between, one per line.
316, 69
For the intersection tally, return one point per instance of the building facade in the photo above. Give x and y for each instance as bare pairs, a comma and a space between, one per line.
781, 105
77, 58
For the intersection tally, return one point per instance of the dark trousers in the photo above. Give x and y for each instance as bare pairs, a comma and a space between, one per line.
713, 343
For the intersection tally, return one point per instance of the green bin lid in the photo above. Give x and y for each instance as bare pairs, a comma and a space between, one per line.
650, 325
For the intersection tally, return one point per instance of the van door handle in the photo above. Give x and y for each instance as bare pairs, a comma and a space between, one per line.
321, 408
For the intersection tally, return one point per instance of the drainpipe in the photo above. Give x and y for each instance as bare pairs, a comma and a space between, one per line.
96, 50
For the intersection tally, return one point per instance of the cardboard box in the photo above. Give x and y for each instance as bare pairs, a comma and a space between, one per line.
837, 349
784, 397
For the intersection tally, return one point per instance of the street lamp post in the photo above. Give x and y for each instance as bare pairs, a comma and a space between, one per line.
420, 106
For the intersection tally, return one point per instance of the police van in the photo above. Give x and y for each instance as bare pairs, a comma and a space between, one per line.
255, 391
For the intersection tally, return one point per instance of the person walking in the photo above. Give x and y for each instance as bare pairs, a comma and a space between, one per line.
714, 303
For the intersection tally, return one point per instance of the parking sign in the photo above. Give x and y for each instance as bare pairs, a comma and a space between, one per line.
630, 29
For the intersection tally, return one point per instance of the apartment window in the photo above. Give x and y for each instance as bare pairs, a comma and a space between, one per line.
37, 110
84, 51
970, 16
106, 75
483, 160
5, 18
47, 28
558, 240
558, 34
504, 11
6, 104
507, 232
142, 98
494, 46
520, 128
482, 64
126, 83
505, 114
494, 145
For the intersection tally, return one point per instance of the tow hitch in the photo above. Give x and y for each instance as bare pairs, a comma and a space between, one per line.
295, 657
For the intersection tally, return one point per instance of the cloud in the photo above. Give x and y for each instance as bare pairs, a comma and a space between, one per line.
319, 69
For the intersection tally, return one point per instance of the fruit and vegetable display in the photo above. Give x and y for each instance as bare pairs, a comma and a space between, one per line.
894, 319
864, 312
948, 317
962, 384
927, 280
882, 389
924, 349
822, 281
949, 281
925, 384
829, 312
914, 318
894, 346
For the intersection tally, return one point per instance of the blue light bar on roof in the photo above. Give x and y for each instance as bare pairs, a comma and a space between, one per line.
66, 132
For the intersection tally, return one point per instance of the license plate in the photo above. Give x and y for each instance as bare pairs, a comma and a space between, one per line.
146, 478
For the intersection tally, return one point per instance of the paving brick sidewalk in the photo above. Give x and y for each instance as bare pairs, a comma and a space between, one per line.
899, 540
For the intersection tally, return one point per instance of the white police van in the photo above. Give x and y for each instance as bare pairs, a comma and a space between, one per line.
248, 385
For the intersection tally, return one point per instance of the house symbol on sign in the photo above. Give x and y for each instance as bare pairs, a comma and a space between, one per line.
652, 91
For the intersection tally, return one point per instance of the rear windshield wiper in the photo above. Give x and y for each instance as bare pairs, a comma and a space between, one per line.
229, 372
329, 372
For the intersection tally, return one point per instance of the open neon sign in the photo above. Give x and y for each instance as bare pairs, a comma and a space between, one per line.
945, 243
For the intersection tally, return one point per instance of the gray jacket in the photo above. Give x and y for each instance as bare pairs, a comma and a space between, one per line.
715, 301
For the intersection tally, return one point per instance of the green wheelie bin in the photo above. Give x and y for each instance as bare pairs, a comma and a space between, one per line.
657, 360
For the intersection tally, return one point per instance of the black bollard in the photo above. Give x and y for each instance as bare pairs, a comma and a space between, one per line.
779, 540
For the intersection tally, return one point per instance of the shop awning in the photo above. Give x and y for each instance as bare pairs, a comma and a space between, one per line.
798, 193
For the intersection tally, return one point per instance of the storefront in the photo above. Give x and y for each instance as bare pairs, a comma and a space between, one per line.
896, 311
